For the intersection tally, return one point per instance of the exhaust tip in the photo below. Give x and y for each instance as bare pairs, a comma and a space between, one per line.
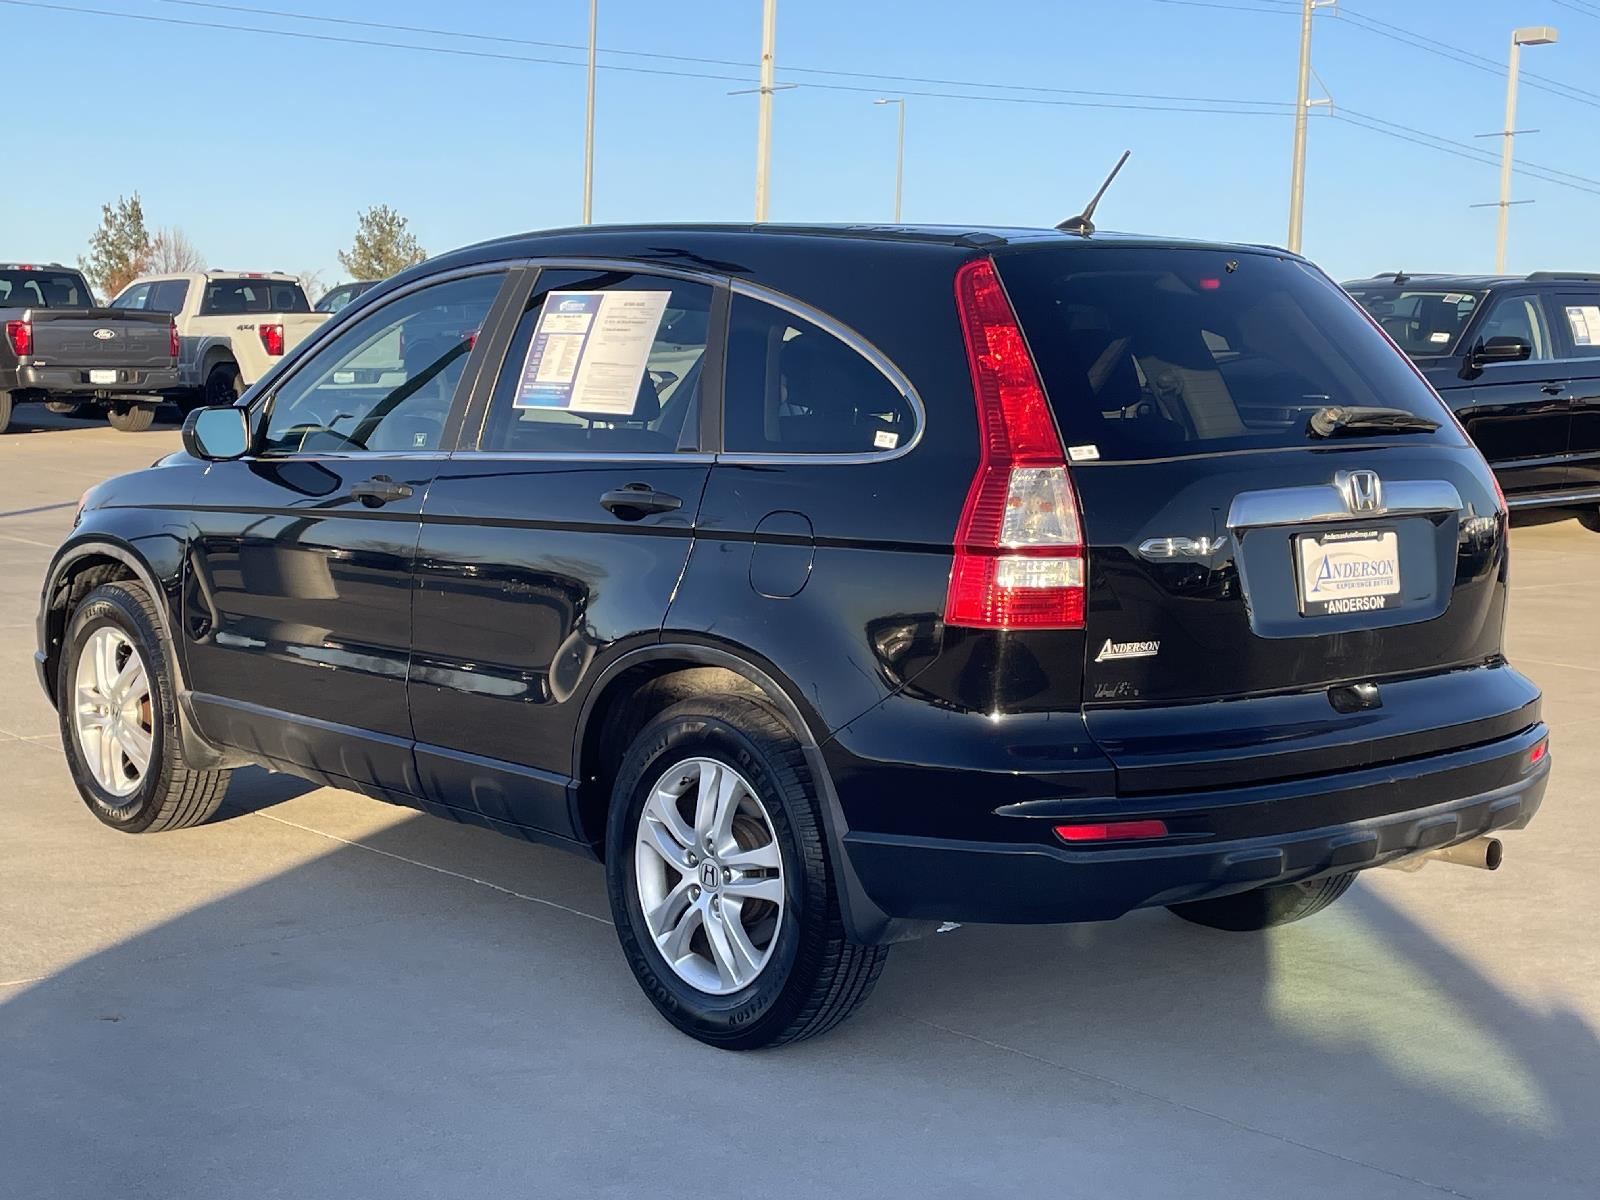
1493, 853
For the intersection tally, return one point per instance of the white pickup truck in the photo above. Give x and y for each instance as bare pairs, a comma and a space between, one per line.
232, 326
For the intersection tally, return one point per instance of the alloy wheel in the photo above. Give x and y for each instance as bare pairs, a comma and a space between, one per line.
112, 713
709, 875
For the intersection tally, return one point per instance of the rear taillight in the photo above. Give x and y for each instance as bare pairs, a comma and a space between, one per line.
172, 339
272, 339
20, 335
1019, 551
1112, 831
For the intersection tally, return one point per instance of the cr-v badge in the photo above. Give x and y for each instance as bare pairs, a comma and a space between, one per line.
1127, 650
1181, 547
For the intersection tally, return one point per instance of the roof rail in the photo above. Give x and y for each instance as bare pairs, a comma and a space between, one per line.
1568, 276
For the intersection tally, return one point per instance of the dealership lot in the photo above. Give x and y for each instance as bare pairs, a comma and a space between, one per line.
315, 995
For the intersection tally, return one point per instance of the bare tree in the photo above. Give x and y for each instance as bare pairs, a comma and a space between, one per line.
311, 280
171, 251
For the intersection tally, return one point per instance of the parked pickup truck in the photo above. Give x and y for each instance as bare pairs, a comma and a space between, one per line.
60, 350
232, 326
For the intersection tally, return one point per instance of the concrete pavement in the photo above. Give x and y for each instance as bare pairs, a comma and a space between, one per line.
319, 996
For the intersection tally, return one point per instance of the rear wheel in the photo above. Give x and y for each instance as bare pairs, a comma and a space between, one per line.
223, 385
720, 881
131, 418
114, 698
6, 405
1265, 907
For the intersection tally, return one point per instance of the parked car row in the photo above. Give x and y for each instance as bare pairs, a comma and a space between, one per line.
830, 584
195, 338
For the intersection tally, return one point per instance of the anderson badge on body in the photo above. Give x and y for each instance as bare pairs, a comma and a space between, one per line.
1127, 650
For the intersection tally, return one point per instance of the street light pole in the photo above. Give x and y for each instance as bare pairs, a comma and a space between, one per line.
769, 37
588, 126
1297, 178
899, 151
1533, 35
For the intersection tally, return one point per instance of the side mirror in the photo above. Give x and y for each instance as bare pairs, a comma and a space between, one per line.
1501, 350
217, 434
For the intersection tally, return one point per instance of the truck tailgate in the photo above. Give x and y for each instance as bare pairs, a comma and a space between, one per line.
95, 337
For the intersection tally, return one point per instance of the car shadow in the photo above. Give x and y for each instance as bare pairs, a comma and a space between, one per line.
35, 418
433, 1010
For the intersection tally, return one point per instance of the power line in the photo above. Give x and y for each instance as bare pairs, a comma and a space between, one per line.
1586, 9
1228, 107
1286, 10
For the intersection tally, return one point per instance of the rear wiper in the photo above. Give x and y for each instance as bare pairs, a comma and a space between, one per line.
1335, 420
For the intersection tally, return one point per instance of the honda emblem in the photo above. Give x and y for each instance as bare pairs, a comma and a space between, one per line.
1363, 492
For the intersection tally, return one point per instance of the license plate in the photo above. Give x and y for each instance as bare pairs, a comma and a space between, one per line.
1348, 572
102, 376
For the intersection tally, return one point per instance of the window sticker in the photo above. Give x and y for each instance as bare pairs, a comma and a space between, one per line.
1083, 453
1439, 335
1585, 322
589, 351
885, 439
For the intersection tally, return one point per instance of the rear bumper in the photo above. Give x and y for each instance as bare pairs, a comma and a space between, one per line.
1426, 804
75, 380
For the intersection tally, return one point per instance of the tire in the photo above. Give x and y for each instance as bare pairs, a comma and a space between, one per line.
6, 405
68, 408
223, 385
810, 975
1245, 912
165, 793
131, 418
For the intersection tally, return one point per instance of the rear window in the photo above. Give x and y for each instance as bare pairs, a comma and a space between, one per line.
1153, 353
1422, 322
43, 289
225, 297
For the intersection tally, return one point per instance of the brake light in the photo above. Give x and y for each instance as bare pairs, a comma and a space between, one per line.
1111, 831
1019, 551
1537, 754
172, 338
272, 339
20, 335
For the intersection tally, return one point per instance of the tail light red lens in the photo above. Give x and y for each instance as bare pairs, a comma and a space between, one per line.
1019, 550
20, 335
272, 339
1538, 753
1112, 831
172, 339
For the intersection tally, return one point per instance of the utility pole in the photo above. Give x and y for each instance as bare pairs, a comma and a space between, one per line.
769, 37
588, 126
899, 151
1533, 35
1302, 109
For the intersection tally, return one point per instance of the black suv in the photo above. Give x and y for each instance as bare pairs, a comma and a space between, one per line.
1518, 359
827, 584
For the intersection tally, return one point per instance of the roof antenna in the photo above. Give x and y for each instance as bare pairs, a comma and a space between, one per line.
1084, 223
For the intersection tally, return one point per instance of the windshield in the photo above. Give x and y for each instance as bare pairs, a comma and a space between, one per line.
43, 289
1152, 353
224, 297
1422, 322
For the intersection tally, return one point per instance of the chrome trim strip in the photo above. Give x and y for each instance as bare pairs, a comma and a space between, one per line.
1552, 498
1326, 502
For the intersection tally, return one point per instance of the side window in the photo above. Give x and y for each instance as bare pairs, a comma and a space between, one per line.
602, 363
167, 295
795, 388
134, 297
1519, 317
1580, 312
385, 385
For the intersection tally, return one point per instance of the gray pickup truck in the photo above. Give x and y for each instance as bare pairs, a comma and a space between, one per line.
61, 350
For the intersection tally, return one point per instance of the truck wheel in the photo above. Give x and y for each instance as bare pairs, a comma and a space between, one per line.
720, 880
119, 724
131, 418
5, 410
1265, 907
223, 385
68, 408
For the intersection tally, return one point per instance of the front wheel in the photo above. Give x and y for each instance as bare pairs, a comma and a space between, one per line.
1262, 908
720, 880
131, 418
119, 724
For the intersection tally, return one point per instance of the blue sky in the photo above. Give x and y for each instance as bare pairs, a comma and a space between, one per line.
262, 148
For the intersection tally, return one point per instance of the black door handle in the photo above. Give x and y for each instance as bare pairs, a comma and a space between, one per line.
380, 490
1553, 389
638, 500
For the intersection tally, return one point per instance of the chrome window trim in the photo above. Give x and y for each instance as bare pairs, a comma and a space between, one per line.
861, 346
1325, 502
660, 457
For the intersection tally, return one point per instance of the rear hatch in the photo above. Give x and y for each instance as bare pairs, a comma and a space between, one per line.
1263, 602
101, 338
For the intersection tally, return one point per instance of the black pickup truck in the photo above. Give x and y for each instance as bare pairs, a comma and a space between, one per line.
60, 349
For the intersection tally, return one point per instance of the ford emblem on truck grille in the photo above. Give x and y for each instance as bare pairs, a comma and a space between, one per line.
105, 335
